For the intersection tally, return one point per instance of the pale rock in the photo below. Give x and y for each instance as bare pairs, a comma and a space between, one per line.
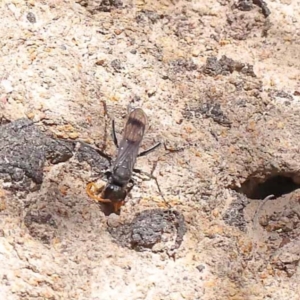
6, 84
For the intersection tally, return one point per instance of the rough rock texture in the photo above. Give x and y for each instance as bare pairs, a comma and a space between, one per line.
156, 230
219, 81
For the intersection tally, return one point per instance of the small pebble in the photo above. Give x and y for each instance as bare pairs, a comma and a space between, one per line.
6, 84
200, 268
31, 17
73, 135
113, 220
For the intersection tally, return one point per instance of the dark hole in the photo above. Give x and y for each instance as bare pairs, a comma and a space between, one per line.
278, 185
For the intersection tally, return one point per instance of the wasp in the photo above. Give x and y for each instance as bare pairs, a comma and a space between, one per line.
119, 177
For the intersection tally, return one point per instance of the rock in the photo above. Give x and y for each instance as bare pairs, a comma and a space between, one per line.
7, 86
113, 220
152, 230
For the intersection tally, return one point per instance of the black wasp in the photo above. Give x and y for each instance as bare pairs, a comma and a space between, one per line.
119, 177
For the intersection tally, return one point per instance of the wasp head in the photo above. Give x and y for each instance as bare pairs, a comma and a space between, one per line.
114, 193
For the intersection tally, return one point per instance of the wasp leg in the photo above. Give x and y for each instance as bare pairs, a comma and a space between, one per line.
100, 152
130, 187
89, 188
117, 206
151, 176
143, 153
114, 134
108, 174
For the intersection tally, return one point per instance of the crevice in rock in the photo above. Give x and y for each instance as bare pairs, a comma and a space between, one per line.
277, 184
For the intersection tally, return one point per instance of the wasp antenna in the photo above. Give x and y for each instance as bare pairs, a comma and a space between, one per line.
114, 134
160, 192
158, 187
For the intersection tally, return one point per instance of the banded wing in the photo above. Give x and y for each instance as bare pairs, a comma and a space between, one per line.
129, 146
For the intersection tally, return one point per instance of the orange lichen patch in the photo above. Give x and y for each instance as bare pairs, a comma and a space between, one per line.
216, 229
2, 193
65, 131
246, 248
3, 204
56, 243
89, 119
264, 55
224, 42
280, 125
251, 126
264, 275
30, 115
189, 129
64, 190
223, 133
115, 98
216, 212
196, 152
210, 283
66, 128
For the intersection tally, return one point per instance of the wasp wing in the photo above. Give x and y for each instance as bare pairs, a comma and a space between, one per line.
129, 146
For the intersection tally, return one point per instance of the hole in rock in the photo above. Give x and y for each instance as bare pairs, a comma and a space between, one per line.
278, 185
